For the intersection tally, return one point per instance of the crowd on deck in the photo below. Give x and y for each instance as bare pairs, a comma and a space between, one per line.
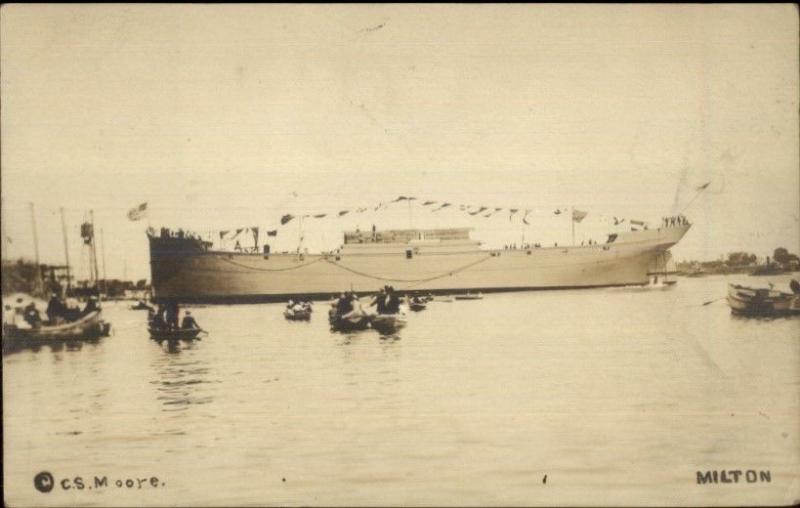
179, 233
677, 220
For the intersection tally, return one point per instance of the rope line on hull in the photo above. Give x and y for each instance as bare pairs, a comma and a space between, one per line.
426, 279
255, 269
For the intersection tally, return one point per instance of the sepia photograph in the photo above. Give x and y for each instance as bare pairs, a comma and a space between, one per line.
400, 255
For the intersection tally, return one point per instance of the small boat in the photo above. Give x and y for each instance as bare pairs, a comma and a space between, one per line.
297, 314
695, 273
417, 304
87, 327
179, 334
469, 296
762, 301
388, 323
348, 322
141, 306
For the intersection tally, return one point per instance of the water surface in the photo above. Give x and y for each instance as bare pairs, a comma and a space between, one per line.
618, 396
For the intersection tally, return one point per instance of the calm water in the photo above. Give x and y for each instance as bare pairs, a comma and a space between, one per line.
617, 395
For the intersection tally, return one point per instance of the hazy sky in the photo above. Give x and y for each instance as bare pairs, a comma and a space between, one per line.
229, 116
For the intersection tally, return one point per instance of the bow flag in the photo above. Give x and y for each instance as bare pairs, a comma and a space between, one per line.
286, 218
578, 215
138, 213
443, 205
478, 211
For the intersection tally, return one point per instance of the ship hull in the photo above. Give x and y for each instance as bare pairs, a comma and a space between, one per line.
191, 275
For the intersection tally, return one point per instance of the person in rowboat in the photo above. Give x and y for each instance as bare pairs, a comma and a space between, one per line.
32, 316
189, 322
55, 309
91, 306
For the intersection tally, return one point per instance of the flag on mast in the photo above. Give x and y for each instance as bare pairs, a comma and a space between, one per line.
138, 213
578, 215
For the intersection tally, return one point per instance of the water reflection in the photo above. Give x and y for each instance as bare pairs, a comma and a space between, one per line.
182, 376
17, 346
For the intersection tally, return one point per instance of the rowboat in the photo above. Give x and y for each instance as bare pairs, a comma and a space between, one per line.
761, 301
388, 323
417, 305
87, 327
179, 334
297, 315
354, 321
469, 296
349, 322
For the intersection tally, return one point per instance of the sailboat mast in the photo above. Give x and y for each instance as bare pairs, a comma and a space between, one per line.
93, 252
36, 248
66, 247
103, 251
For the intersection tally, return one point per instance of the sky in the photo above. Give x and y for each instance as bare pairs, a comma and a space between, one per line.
223, 117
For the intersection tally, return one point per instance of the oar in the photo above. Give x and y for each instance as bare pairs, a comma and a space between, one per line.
712, 301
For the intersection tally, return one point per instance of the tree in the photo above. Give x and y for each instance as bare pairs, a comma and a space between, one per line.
781, 255
741, 259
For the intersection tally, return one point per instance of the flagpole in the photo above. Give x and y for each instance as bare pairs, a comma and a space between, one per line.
572, 219
696, 195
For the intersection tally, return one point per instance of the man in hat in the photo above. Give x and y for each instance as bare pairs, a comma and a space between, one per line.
189, 322
91, 306
55, 309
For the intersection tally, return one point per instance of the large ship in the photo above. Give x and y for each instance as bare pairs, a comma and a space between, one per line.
440, 261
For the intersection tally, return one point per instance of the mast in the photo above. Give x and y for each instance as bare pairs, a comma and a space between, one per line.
300, 235
66, 246
93, 252
103, 251
36, 248
3, 230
